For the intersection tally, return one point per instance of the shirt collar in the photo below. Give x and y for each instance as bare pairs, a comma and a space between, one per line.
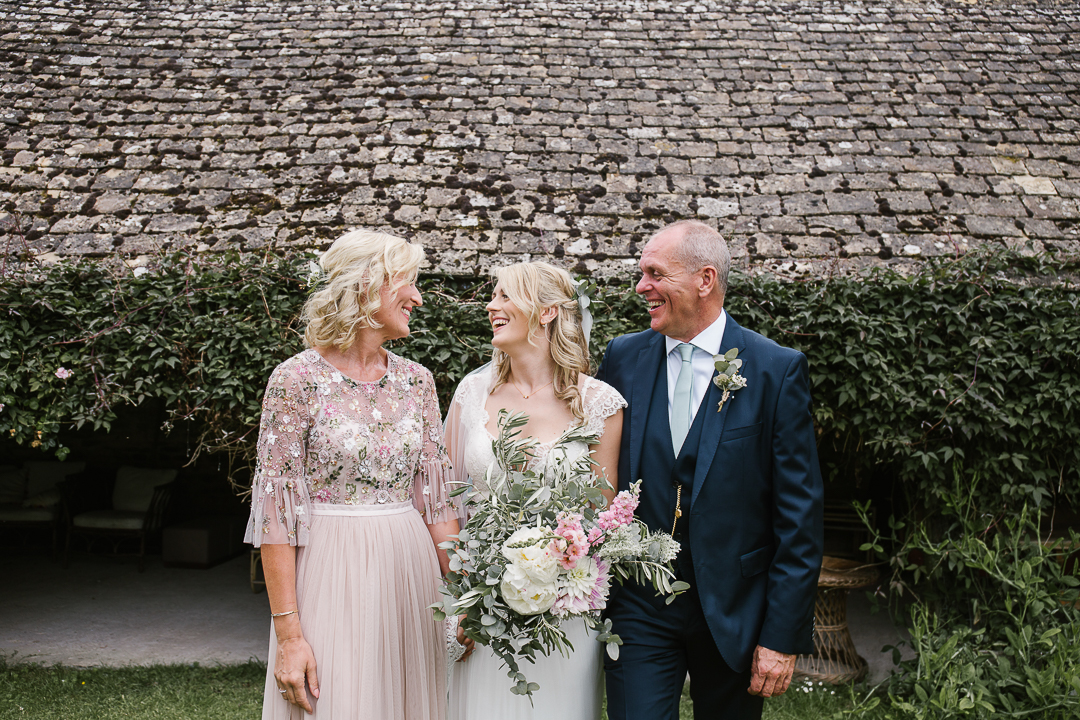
708, 339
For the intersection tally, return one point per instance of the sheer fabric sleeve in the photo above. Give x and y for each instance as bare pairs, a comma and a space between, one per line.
455, 433
279, 497
431, 486
601, 402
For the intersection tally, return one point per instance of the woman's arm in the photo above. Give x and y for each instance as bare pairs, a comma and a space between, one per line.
295, 662
442, 532
606, 453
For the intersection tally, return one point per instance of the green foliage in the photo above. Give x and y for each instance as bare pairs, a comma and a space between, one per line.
995, 622
201, 337
973, 359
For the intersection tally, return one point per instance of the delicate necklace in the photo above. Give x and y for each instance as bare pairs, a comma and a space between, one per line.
536, 390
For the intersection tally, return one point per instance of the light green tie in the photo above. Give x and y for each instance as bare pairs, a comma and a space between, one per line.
682, 409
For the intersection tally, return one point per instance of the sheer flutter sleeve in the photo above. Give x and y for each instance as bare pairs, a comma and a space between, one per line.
279, 496
431, 487
455, 434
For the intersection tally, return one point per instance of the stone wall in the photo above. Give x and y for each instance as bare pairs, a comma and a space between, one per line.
818, 136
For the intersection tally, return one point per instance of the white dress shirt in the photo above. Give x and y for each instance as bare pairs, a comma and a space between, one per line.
706, 344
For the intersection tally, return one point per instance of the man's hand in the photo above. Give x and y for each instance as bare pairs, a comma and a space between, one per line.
770, 672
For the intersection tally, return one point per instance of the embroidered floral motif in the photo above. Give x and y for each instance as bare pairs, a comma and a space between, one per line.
326, 438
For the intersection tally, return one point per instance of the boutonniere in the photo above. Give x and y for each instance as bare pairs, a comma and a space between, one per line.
729, 380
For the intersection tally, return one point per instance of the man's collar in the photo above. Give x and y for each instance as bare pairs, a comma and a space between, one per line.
708, 339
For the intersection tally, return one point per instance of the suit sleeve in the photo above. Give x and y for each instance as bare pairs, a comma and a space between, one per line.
798, 497
601, 372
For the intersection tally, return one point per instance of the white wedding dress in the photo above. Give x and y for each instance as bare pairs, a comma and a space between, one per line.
571, 688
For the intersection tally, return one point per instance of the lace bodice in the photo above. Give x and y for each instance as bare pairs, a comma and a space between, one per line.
471, 442
326, 438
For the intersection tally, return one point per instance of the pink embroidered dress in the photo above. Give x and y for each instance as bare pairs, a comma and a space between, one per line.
351, 473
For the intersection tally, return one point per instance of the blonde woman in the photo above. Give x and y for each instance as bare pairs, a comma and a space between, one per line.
350, 499
539, 367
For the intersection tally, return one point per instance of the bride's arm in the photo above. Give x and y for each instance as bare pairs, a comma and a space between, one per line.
606, 453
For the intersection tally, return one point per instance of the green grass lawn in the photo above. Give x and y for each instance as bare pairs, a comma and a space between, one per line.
181, 692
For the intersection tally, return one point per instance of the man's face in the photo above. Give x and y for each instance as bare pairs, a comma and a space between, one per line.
676, 307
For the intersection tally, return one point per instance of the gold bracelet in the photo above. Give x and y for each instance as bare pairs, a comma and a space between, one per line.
287, 612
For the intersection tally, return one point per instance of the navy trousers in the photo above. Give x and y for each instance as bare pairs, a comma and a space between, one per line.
661, 644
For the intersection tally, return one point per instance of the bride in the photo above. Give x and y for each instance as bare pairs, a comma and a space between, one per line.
539, 367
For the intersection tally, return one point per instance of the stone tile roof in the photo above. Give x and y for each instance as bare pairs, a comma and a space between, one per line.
814, 134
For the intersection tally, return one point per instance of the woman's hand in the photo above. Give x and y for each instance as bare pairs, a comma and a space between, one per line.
466, 642
293, 667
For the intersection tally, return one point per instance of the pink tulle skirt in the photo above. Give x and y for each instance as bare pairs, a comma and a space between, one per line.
363, 584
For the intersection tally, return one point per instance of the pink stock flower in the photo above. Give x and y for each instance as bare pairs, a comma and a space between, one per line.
571, 544
621, 510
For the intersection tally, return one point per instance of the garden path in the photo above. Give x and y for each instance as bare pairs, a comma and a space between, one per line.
101, 611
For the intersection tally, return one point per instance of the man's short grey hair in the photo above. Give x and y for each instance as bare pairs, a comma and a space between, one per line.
701, 246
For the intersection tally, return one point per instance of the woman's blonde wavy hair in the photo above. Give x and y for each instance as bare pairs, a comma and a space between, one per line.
354, 269
533, 286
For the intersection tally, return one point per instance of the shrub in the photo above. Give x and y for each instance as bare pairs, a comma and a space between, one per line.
993, 612
972, 359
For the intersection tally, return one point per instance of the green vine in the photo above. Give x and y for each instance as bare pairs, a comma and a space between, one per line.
972, 359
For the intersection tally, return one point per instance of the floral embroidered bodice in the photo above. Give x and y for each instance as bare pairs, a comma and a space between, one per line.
475, 454
326, 438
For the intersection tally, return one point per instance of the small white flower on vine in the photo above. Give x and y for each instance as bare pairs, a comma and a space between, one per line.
729, 380
63, 373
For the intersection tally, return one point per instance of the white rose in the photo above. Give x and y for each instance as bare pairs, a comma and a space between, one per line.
533, 557
522, 595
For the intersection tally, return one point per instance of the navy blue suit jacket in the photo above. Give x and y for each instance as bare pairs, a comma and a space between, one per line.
756, 503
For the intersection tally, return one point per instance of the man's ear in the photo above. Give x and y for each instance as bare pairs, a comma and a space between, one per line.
709, 280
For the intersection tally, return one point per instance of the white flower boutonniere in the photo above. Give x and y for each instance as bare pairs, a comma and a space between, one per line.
729, 380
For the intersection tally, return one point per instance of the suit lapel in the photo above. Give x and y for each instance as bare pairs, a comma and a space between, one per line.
713, 427
650, 363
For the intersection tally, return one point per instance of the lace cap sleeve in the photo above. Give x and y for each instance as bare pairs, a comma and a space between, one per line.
279, 496
601, 402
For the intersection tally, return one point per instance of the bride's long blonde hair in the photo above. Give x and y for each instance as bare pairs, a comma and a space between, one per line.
532, 287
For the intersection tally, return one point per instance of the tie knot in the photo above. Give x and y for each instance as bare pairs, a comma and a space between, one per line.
686, 350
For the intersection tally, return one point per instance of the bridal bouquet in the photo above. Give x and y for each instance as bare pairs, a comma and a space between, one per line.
542, 548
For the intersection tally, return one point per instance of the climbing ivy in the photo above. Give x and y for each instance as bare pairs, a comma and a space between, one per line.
972, 358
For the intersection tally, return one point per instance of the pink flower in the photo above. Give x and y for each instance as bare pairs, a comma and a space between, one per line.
571, 544
600, 591
594, 535
63, 373
570, 605
621, 510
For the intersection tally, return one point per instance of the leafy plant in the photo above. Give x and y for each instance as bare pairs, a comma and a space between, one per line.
973, 359
993, 612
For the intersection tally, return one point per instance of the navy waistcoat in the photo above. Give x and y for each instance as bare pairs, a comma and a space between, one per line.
660, 470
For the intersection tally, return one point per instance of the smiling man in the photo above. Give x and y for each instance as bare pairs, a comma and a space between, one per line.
729, 466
